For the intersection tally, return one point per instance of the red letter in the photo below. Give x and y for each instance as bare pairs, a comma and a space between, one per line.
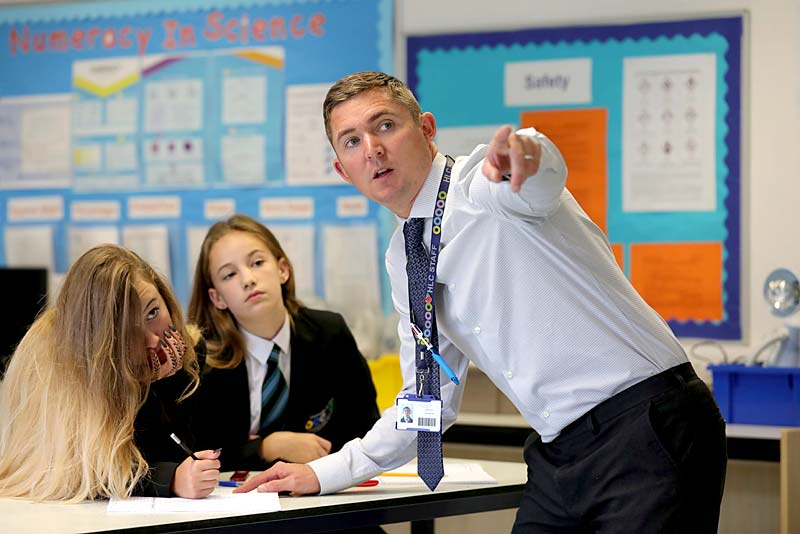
259, 27
142, 38
315, 24
295, 27
169, 33
15, 40
109, 38
230, 31
277, 28
212, 21
124, 42
77, 39
39, 41
187, 36
93, 33
58, 40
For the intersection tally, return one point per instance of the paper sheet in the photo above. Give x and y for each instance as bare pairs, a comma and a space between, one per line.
30, 246
454, 473
195, 235
298, 243
668, 142
221, 500
82, 238
151, 242
309, 156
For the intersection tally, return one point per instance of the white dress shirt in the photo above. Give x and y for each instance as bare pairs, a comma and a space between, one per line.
529, 291
258, 350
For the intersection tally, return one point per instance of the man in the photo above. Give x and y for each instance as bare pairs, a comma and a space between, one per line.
406, 415
527, 288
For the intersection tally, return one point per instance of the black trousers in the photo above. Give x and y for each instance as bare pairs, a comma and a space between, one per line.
650, 459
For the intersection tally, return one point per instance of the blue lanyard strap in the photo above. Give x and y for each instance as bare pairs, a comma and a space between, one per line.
426, 323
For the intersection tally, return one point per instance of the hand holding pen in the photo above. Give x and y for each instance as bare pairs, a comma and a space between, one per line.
436, 356
196, 477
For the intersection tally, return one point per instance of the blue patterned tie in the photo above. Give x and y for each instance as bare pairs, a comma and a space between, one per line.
429, 444
274, 395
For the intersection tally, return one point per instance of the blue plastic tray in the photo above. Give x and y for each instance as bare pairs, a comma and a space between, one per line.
758, 395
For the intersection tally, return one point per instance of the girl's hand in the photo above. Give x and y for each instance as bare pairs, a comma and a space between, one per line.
295, 447
166, 359
195, 479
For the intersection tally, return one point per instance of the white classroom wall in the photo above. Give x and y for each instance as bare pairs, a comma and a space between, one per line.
771, 110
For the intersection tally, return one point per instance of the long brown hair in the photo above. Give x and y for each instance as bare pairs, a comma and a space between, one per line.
226, 346
76, 382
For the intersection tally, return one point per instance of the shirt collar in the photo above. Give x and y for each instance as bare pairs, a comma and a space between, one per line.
259, 348
426, 198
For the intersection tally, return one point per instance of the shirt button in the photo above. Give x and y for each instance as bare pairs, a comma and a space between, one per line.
476, 330
509, 374
545, 414
451, 287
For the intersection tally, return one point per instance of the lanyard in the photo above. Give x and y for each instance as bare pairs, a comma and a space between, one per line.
429, 319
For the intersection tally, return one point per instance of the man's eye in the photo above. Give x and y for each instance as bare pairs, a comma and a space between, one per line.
353, 141
388, 125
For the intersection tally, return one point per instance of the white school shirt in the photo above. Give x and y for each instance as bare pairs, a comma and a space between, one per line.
529, 291
258, 350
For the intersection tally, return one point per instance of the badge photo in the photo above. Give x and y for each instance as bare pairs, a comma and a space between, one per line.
422, 414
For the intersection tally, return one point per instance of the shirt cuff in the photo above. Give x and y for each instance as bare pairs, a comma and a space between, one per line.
332, 472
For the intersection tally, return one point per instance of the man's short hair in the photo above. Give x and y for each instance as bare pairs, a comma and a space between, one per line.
359, 82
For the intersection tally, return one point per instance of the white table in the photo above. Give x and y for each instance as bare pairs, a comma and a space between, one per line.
352, 508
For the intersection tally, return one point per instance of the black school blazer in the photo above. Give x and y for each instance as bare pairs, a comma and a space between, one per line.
331, 393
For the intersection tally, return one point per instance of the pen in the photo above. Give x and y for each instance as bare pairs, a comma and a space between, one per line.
186, 449
229, 483
367, 483
418, 334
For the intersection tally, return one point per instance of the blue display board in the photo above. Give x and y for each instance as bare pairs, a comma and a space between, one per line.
117, 116
467, 81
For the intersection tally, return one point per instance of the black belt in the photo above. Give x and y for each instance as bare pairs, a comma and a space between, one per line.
634, 395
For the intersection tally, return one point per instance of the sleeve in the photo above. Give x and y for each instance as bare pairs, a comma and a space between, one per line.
219, 419
158, 416
356, 401
158, 482
540, 194
384, 447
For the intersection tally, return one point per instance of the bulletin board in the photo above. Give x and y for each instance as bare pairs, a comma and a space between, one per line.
142, 122
648, 118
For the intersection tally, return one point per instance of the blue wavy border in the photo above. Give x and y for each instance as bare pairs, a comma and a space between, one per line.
730, 28
129, 8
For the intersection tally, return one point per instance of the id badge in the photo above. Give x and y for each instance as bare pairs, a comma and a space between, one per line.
422, 414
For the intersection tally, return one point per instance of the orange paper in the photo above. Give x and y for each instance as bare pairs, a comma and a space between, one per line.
580, 135
681, 281
619, 254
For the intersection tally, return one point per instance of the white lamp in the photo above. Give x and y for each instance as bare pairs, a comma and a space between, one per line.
782, 293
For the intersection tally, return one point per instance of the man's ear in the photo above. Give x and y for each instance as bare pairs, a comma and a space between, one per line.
216, 299
337, 165
428, 123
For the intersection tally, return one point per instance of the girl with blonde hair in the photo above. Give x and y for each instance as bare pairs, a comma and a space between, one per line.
92, 392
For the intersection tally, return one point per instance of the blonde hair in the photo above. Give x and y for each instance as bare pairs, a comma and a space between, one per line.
76, 382
354, 84
226, 346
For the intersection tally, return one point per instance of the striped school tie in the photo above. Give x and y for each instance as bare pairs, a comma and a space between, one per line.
274, 395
